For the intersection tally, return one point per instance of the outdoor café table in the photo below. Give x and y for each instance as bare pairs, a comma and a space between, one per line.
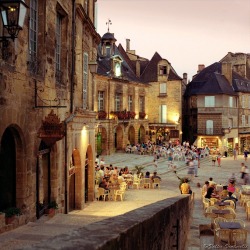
222, 203
230, 225
219, 212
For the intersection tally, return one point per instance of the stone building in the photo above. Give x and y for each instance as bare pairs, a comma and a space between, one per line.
217, 106
47, 128
136, 99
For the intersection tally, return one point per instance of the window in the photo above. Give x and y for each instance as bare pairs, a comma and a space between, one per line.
163, 114
85, 81
248, 120
100, 100
33, 29
117, 69
243, 120
209, 127
117, 102
230, 101
58, 46
230, 122
163, 88
209, 101
162, 70
130, 103
141, 104
243, 101
249, 101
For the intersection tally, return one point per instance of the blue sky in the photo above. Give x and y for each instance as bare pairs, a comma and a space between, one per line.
185, 32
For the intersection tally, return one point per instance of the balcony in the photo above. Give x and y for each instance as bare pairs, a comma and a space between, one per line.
210, 131
123, 115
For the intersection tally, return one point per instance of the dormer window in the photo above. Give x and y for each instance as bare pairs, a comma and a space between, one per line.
117, 69
117, 66
162, 70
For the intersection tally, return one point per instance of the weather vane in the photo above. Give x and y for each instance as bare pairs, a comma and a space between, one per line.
108, 23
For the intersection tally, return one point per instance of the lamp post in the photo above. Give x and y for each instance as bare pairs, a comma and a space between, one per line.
13, 14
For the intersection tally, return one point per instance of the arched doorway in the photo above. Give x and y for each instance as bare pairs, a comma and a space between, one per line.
75, 183
7, 171
12, 164
131, 135
118, 138
43, 188
141, 134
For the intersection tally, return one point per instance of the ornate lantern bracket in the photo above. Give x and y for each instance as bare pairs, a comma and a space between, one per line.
52, 130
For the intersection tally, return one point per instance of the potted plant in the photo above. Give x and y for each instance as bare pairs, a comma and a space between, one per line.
142, 115
131, 114
11, 213
102, 115
52, 206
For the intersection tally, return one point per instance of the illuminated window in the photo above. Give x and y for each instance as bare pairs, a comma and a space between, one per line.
163, 113
209, 127
130, 103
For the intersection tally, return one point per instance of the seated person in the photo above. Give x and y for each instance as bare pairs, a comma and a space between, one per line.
147, 175
204, 188
113, 179
155, 176
224, 192
211, 182
120, 179
231, 188
232, 198
185, 187
210, 193
104, 184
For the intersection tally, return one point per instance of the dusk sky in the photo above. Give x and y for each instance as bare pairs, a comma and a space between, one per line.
185, 32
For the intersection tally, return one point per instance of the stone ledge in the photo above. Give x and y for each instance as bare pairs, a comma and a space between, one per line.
149, 227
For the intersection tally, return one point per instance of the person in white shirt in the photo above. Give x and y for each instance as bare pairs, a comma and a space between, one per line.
195, 162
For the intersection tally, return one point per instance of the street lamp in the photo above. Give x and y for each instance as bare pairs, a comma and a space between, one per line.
13, 15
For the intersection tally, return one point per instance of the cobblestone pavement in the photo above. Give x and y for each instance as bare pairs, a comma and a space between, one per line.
44, 228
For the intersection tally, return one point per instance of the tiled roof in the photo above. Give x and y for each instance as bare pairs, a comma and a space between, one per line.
150, 73
104, 66
240, 84
210, 81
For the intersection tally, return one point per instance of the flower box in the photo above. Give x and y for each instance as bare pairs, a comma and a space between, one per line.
142, 115
102, 115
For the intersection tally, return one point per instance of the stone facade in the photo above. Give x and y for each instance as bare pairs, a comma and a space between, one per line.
224, 123
48, 88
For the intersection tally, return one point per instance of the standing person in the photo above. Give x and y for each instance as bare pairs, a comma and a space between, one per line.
242, 170
196, 163
246, 175
213, 159
191, 169
245, 154
219, 159
235, 153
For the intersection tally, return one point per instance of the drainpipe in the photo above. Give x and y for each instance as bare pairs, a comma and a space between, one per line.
70, 118
73, 55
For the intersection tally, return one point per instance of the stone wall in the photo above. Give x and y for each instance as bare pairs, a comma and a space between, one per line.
150, 227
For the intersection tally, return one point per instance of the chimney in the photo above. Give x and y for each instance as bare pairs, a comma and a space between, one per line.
226, 70
184, 78
200, 67
127, 45
138, 68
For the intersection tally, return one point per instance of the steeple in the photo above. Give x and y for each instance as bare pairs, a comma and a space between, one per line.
108, 42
